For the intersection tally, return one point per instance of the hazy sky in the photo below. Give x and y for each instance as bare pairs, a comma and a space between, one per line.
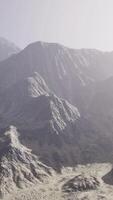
75, 23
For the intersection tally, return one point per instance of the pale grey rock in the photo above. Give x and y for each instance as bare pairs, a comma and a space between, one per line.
19, 168
81, 183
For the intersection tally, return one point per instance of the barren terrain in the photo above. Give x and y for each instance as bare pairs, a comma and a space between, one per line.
52, 189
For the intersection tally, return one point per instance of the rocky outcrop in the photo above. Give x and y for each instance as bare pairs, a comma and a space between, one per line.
81, 183
19, 168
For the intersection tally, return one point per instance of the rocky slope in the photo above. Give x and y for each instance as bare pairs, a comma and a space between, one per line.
69, 73
43, 119
50, 126
53, 188
7, 49
100, 109
19, 168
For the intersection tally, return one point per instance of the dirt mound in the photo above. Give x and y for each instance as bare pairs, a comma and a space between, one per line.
81, 183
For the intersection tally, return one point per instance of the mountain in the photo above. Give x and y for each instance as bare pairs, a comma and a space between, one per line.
69, 73
40, 116
19, 168
7, 49
46, 91
58, 103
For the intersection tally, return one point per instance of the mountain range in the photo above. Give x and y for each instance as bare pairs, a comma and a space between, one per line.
60, 101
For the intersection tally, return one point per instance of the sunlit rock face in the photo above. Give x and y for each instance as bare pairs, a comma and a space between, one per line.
19, 168
7, 49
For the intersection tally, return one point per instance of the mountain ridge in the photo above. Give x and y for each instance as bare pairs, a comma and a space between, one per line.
46, 91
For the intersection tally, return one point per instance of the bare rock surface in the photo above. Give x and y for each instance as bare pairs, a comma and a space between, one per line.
19, 168
52, 190
81, 183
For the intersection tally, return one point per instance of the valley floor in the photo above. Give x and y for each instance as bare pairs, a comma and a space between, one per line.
52, 190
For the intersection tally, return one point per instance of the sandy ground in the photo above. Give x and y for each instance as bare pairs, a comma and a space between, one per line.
52, 190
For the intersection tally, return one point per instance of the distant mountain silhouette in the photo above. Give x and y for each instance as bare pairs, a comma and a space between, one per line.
7, 49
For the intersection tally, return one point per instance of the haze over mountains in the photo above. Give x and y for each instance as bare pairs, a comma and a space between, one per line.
61, 102
7, 49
